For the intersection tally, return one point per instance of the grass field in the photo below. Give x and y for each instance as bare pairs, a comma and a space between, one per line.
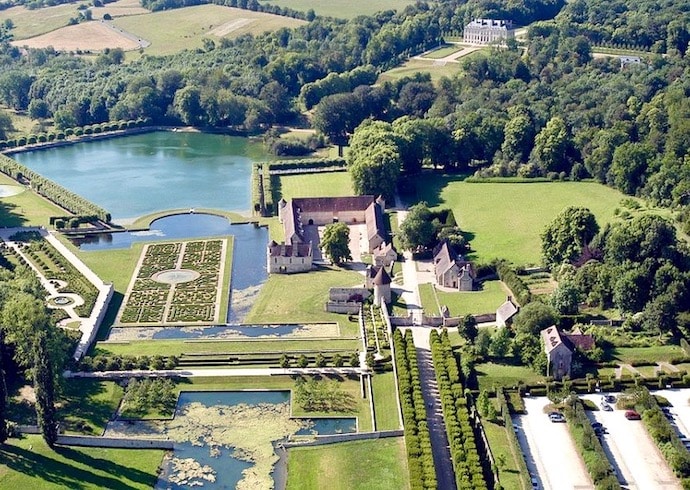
412, 66
491, 374
385, 401
29, 23
461, 303
506, 219
341, 8
171, 31
300, 297
328, 184
366, 465
26, 208
178, 347
30, 463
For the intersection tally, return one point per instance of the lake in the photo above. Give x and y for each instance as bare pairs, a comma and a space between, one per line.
140, 174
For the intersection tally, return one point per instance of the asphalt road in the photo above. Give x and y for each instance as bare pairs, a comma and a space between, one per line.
549, 451
632, 452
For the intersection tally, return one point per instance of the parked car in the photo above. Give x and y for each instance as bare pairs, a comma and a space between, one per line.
556, 417
535, 482
609, 399
632, 415
606, 407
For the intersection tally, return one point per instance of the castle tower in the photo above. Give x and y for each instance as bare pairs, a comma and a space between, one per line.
382, 287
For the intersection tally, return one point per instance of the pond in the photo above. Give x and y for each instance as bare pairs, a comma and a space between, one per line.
228, 439
140, 174
224, 332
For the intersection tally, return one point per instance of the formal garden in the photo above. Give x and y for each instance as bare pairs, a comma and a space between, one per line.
177, 282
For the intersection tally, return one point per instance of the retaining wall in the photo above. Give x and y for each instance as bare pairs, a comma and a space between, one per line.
349, 308
119, 442
357, 436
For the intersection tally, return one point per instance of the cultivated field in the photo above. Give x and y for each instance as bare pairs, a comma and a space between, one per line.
29, 23
121, 8
507, 218
89, 36
344, 9
174, 30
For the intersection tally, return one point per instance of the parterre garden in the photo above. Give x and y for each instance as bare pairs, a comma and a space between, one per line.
151, 301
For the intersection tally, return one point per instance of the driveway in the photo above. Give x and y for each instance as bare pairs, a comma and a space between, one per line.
632, 452
549, 450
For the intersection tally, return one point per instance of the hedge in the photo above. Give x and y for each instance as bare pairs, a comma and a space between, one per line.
587, 442
306, 163
504, 404
50, 190
417, 440
514, 283
469, 466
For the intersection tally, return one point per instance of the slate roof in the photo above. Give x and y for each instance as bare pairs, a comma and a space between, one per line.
553, 337
374, 219
283, 250
444, 258
507, 310
382, 278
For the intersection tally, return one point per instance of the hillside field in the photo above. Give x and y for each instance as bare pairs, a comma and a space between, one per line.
343, 9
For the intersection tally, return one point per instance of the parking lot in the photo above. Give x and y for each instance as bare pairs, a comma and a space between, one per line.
680, 408
549, 450
632, 452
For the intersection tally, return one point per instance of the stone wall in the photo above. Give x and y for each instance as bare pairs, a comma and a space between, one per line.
357, 436
119, 442
346, 307
345, 294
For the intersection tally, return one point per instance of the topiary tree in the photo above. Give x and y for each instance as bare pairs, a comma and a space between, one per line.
302, 361
284, 361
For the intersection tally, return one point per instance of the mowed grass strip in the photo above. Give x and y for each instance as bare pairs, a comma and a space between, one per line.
300, 297
341, 8
385, 401
367, 465
664, 353
29, 463
326, 184
179, 347
509, 471
171, 31
507, 218
86, 405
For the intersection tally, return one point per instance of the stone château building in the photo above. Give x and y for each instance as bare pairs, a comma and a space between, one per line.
485, 31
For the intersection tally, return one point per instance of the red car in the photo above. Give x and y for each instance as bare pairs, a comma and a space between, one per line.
632, 415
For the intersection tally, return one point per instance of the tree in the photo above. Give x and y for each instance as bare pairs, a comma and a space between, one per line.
3, 395
5, 125
629, 167
535, 317
44, 387
552, 146
467, 328
302, 361
482, 342
320, 360
567, 235
335, 243
500, 343
284, 361
417, 230
374, 160
565, 298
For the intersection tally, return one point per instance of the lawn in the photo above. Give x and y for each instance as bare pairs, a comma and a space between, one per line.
367, 465
341, 8
412, 66
461, 303
300, 297
490, 374
87, 405
25, 208
651, 354
30, 463
385, 401
179, 347
509, 472
443, 51
171, 31
507, 218
326, 184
